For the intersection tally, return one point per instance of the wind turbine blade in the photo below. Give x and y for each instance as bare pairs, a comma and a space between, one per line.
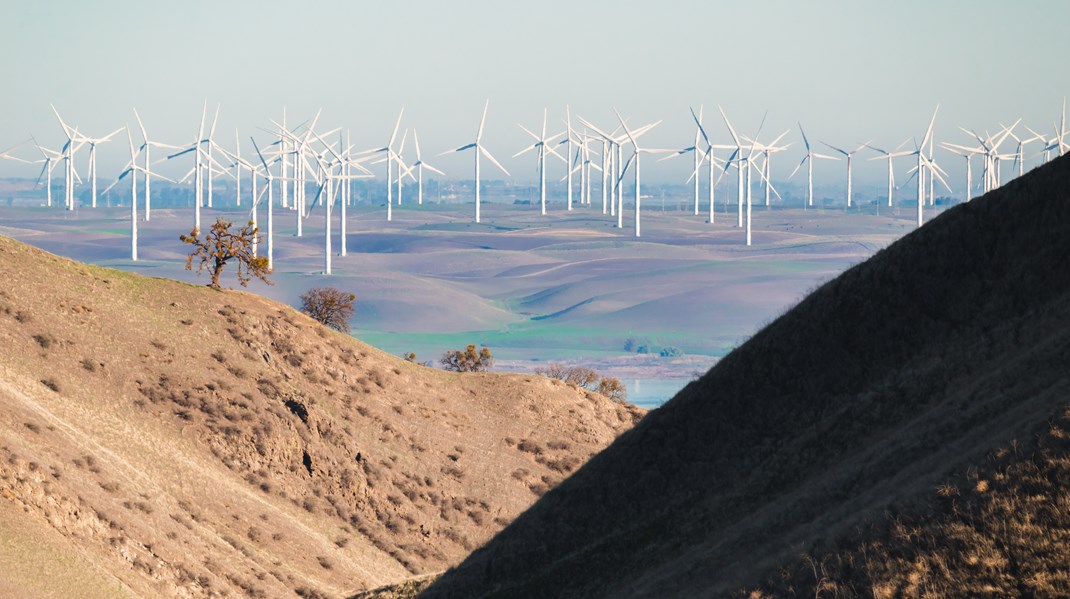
802, 162
844, 152
698, 123
262, 161
432, 169
929, 131
394, 133
805, 141
626, 130
416, 142
533, 136
460, 149
482, 121
735, 137
491, 158
141, 126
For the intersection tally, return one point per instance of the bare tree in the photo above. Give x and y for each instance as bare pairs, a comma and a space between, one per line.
467, 360
330, 306
221, 245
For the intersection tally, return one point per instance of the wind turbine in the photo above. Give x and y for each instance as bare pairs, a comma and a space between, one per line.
739, 166
709, 157
93, 160
889, 156
479, 150
809, 161
923, 163
271, 229
966, 153
1019, 153
50, 158
849, 155
767, 151
542, 148
146, 147
419, 165
388, 149
636, 156
695, 154
132, 169
333, 184
69, 173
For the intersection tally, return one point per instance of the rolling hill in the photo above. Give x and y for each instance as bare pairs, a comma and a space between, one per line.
903, 429
163, 439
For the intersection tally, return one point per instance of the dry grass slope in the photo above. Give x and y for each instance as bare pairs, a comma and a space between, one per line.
893, 380
187, 442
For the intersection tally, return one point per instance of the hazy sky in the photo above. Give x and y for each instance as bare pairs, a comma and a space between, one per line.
849, 71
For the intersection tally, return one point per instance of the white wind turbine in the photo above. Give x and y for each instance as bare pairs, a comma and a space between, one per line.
419, 165
709, 157
146, 148
617, 165
50, 159
542, 148
889, 156
636, 158
391, 156
270, 219
1019, 154
132, 169
767, 151
735, 157
967, 153
583, 165
743, 162
92, 168
198, 180
479, 150
809, 161
849, 154
697, 156
923, 163
256, 196
336, 187
68, 151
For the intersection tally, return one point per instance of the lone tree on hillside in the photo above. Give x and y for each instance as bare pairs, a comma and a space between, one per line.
467, 360
330, 306
222, 245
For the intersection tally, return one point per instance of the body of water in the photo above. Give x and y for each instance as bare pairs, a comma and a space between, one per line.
651, 393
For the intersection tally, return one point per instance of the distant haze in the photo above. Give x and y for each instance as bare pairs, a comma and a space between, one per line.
850, 72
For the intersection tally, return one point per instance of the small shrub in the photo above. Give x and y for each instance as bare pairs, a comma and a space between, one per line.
44, 340
670, 352
51, 384
612, 388
89, 364
467, 360
573, 375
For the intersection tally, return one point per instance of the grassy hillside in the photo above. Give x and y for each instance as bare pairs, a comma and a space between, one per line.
888, 383
163, 439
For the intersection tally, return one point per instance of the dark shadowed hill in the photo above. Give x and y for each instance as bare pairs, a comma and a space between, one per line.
886, 385
162, 439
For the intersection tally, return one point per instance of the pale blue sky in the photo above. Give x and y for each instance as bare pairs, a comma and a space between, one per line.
850, 71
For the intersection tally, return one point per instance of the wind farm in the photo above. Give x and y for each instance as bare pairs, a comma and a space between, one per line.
576, 300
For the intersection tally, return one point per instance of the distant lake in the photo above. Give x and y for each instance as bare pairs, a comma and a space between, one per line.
651, 393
